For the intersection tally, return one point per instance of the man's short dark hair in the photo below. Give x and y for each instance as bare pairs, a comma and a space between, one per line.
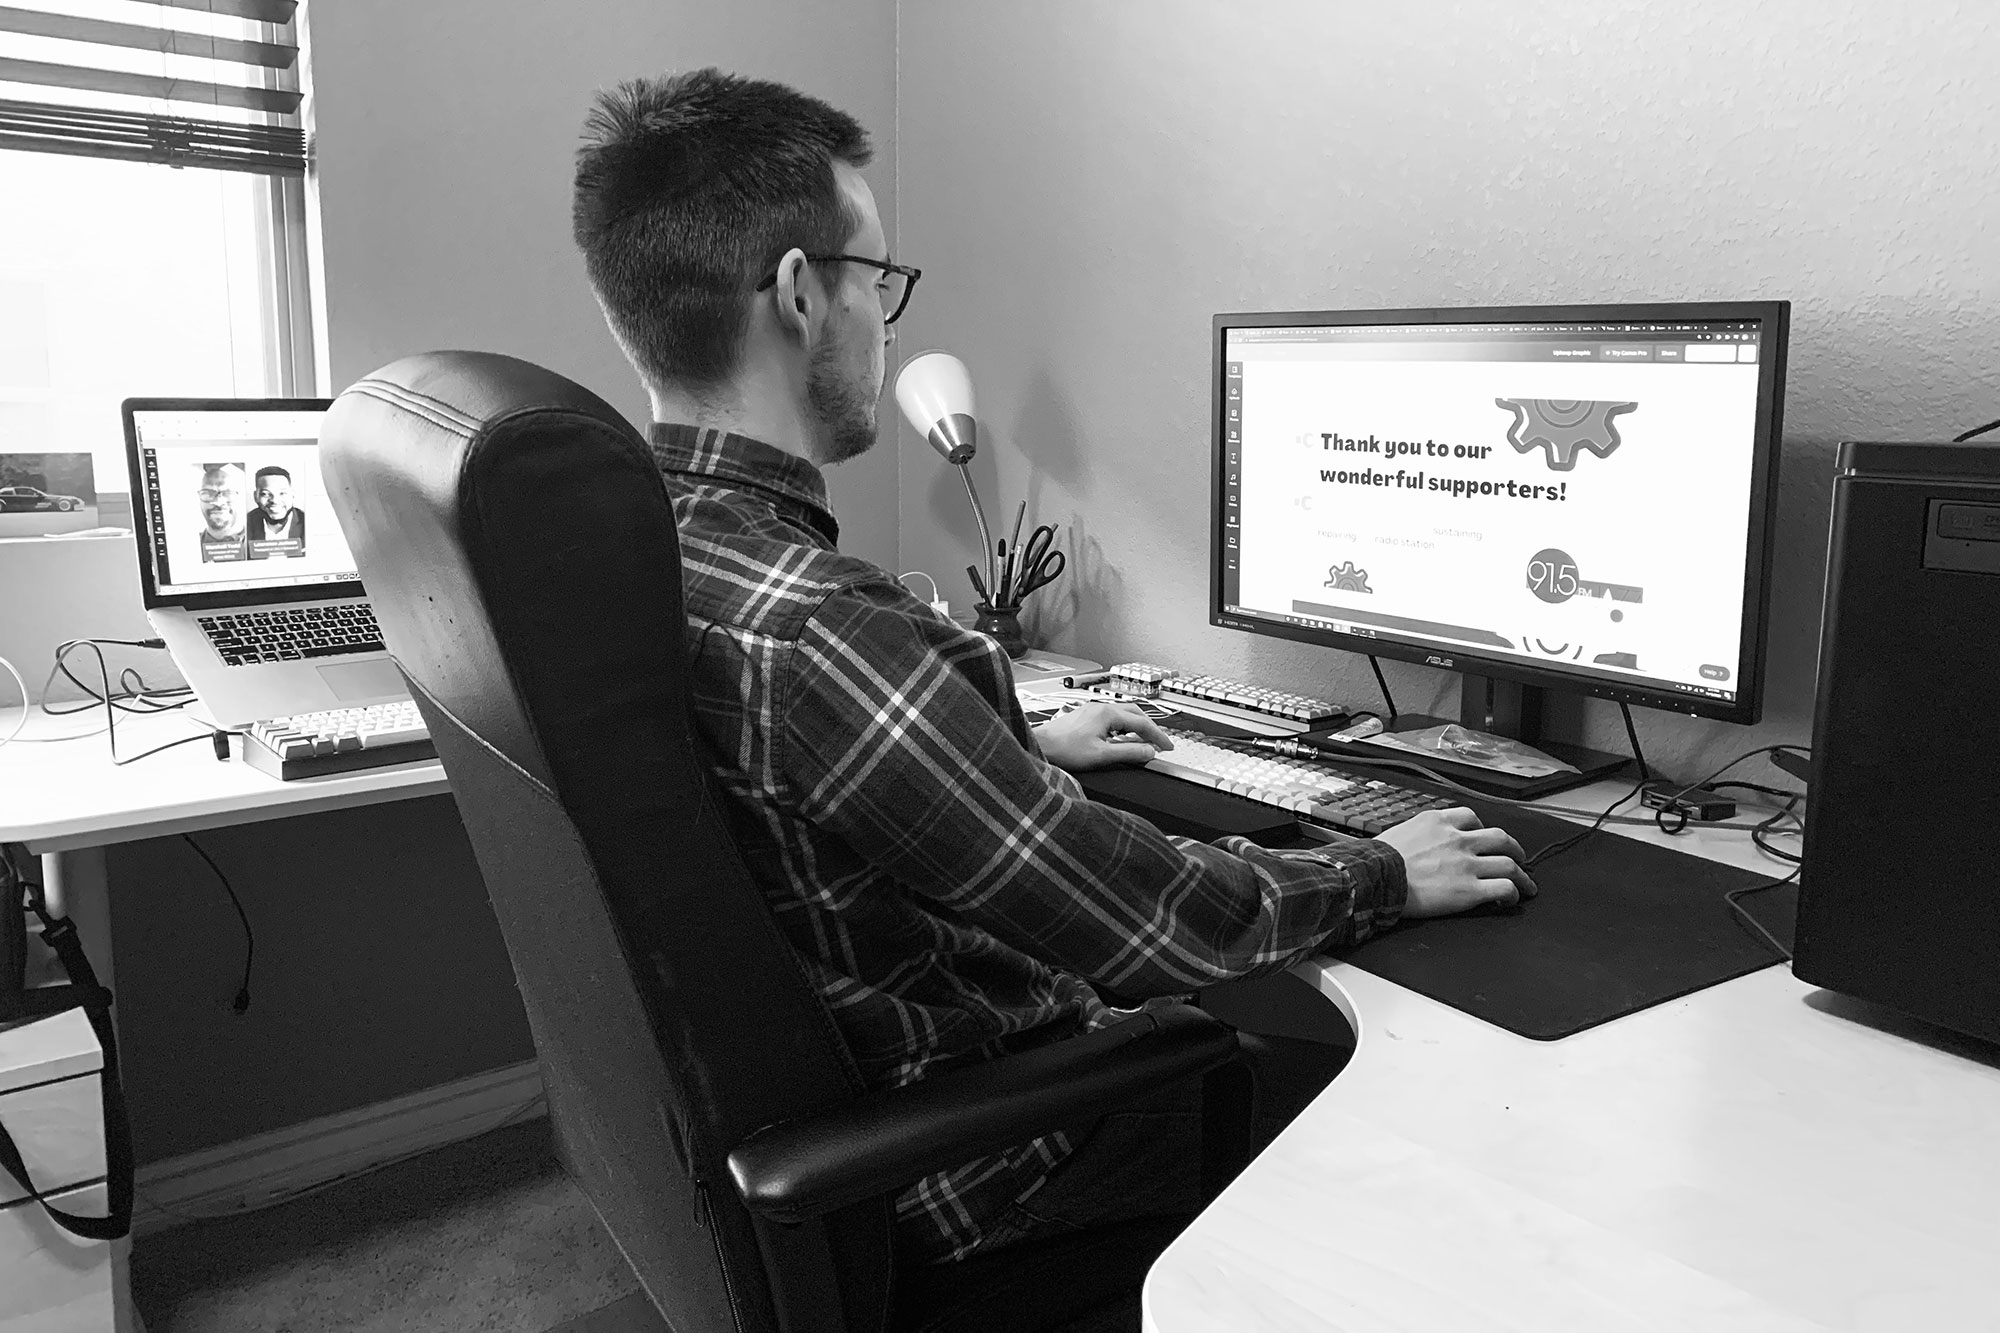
264, 472
689, 188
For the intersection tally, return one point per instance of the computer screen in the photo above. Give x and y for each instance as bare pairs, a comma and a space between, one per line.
227, 498
1577, 497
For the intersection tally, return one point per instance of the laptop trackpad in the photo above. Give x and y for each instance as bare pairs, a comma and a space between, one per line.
351, 681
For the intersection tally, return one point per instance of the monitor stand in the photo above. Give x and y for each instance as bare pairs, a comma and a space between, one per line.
1505, 708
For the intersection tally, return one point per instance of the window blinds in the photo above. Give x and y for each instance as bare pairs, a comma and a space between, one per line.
189, 83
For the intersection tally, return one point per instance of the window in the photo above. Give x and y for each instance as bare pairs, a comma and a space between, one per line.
154, 240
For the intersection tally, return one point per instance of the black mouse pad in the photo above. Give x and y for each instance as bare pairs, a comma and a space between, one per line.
1619, 926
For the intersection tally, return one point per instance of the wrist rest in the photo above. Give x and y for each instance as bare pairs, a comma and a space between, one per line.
1188, 810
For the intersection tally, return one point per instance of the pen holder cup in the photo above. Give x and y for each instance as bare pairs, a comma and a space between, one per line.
1003, 625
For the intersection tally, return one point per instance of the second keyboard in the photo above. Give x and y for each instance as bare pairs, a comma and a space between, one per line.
1255, 708
312, 744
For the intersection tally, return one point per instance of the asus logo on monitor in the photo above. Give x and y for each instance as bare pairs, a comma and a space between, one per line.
1435, 659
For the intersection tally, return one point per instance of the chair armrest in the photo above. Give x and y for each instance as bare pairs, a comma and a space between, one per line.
801, 1168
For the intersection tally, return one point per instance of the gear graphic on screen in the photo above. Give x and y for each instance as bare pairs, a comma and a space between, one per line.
1347, 578
1562, 426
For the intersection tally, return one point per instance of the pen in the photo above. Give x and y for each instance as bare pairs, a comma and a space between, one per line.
1006, 574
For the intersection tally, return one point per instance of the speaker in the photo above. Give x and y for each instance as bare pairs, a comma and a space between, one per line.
1899, 893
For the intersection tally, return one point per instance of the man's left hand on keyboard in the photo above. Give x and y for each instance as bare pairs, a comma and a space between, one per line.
1101, 735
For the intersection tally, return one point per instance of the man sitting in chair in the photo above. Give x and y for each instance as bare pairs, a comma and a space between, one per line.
948, 887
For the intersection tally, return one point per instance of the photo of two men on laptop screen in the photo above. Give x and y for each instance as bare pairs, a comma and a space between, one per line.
249, 511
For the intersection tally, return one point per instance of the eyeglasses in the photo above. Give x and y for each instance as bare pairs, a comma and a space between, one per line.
894, 287
210, 494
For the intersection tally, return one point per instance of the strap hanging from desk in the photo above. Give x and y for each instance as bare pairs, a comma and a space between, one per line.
82, 992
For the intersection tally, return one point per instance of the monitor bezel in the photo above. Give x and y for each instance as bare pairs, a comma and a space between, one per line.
142, 519
1774, 319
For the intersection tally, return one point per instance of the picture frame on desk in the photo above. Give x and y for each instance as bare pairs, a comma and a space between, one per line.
74, 585
44, 494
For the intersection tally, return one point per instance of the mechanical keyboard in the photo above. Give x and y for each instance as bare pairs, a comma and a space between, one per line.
310, 744
1314, 793
293, 633
1254, 708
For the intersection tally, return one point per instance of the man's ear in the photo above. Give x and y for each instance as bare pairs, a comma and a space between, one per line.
795, 296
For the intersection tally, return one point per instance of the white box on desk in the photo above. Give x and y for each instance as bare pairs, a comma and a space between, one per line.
60, 588
53, 1106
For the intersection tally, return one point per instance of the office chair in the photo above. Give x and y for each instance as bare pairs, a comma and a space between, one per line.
517, 542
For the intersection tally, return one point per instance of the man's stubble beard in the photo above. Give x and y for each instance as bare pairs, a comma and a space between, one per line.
844, 406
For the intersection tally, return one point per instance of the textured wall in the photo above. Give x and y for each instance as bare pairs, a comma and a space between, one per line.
379, 971
1086, 182
445, 135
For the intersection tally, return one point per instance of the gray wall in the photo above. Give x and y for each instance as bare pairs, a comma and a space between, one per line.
445, 132
1086, 182
444, 140
378, 972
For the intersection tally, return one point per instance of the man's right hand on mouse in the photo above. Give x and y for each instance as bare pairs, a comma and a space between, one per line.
1454, 863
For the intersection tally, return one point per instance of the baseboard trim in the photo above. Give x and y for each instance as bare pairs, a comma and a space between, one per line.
266, 1168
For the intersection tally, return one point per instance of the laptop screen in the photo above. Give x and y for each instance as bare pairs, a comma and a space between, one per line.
228, 498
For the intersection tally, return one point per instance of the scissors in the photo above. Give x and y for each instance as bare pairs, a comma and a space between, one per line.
1039, 565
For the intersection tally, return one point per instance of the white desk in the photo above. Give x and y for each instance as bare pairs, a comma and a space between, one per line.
1752, 1156
66, 795
1757, 1155
66, 801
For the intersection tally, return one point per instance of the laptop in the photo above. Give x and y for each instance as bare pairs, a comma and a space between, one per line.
242, 564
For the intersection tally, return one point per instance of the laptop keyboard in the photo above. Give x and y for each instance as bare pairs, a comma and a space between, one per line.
291, 634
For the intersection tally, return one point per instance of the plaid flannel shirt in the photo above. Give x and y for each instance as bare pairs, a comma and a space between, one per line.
950, 894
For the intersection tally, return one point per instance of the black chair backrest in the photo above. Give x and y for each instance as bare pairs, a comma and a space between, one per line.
517, 542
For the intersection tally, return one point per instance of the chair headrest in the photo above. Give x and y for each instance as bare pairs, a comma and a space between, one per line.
481, 492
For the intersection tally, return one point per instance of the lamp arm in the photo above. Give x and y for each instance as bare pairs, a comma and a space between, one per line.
990, 562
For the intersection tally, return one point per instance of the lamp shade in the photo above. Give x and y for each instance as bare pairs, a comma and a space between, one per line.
934, 389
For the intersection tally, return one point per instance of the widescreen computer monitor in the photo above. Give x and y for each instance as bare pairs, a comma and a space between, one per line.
1574, 497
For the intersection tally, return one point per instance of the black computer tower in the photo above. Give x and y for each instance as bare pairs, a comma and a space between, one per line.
1899, 896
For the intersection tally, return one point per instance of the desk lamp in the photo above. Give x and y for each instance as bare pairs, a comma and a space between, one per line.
934, 389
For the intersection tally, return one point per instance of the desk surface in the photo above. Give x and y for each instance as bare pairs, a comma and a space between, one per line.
1759, 1155
61, 795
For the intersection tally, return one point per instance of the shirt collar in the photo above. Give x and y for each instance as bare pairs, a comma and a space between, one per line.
795, 485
